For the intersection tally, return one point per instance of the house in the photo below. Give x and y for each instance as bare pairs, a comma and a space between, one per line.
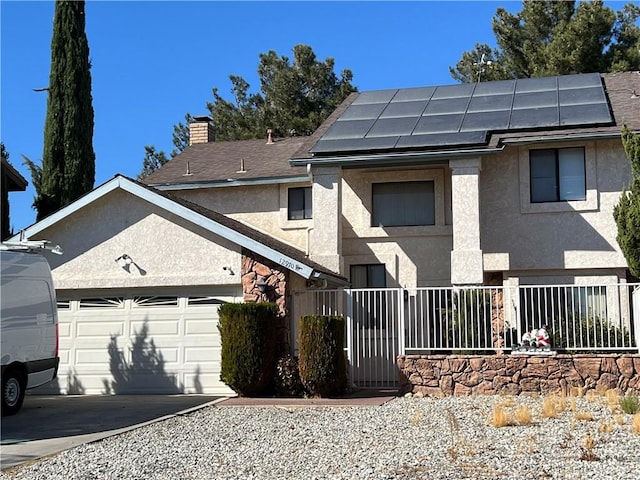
499, 183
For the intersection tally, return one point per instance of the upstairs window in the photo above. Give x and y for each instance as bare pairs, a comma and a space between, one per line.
299, 203
557, 175
397, 204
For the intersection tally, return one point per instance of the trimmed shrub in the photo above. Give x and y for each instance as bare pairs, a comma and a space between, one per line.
322, 364
287, 378
247, 334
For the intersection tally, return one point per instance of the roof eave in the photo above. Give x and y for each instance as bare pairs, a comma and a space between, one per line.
231, 182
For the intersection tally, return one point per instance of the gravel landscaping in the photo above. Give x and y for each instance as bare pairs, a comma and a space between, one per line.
407, 438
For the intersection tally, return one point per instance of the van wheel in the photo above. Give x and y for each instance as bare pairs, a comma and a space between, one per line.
13, 387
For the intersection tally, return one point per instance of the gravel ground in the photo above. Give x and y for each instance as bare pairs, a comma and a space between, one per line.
407, 438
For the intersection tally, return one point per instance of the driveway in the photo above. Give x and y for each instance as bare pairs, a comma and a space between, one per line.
50, 424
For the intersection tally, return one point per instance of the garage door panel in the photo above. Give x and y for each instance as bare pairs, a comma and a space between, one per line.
99, 329
155, 327
200, 327
94, 356
179, 346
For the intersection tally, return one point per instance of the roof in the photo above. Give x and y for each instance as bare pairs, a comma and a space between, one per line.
217, 223
222, 162
219, 163
610, 100
609, 95
15, 181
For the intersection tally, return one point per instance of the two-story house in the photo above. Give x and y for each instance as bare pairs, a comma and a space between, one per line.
498, 183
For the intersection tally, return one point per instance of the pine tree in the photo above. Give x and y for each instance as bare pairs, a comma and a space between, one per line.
550, 37
627, 211
68, 161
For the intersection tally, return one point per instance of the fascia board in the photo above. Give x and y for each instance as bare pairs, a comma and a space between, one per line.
69, 209
228, 183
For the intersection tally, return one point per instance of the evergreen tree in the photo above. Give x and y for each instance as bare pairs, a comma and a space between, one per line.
296, 97
154, 159
627, 211
68, 161
555, 38
6, 228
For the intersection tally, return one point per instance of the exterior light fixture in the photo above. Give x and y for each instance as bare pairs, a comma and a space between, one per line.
262, 285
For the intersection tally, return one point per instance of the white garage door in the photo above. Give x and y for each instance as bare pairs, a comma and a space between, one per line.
140, 344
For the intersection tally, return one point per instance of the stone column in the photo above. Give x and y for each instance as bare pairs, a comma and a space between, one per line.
466, 256
325, 245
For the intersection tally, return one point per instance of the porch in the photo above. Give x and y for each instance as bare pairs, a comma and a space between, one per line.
396, 335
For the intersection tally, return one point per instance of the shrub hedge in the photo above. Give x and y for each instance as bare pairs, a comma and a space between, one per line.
247, 334
322, 364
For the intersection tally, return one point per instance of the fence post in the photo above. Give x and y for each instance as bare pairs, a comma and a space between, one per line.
636, 315
349, 318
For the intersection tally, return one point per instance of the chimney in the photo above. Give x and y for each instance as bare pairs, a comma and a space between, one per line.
200, 130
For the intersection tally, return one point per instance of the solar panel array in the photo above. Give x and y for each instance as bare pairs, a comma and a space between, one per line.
464, 114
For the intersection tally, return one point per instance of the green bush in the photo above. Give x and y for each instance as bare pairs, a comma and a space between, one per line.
287, 378
247, 334
322, 364
630, 404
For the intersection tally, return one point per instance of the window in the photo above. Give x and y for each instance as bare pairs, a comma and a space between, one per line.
373, 275
557, 175
403, 204
300, 203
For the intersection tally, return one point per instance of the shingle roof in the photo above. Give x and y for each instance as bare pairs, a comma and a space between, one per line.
221, 161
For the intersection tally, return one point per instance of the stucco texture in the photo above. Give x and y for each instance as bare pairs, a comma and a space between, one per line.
166, 250
516, 235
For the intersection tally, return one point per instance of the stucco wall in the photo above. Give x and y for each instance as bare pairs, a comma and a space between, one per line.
517, 235
414, 256
262, 206
166, 250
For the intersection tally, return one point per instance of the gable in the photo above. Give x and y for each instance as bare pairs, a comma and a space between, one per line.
165, 249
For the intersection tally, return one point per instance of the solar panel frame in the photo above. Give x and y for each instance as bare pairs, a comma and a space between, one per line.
464, 114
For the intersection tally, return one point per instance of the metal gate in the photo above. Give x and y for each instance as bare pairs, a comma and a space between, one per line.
374, 326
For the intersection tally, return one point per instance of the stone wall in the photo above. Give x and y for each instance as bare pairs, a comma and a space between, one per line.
459, 375
256, 268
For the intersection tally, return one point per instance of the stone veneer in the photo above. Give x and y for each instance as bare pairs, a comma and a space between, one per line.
255, 268
459, 375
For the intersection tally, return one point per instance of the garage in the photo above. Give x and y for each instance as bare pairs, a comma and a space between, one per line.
137, 343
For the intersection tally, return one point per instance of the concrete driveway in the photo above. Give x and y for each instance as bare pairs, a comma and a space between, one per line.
50, 424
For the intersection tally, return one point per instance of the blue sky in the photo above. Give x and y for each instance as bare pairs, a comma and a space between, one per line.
154, 61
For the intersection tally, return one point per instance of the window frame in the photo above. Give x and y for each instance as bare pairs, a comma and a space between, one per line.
433, 221
307, 196
557, 176
369, 274
589, 204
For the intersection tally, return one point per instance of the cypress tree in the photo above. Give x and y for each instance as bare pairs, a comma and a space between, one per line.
68, 160
627, 211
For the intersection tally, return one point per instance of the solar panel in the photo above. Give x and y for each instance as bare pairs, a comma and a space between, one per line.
464, 114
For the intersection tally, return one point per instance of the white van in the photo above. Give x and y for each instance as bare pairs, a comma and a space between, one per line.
29, 322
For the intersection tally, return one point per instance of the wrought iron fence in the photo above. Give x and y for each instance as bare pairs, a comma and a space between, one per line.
384, 323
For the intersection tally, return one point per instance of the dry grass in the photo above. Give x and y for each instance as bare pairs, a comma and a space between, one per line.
499, 417
523, 415
606, 427
549, 407
416, 418
619, 419
588, 453
635, 424
613, 400
584, 416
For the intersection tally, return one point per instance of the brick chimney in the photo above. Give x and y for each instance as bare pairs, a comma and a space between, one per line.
200, 130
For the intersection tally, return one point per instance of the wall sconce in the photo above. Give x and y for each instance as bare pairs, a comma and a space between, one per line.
228, 269
262, 285
124, 261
